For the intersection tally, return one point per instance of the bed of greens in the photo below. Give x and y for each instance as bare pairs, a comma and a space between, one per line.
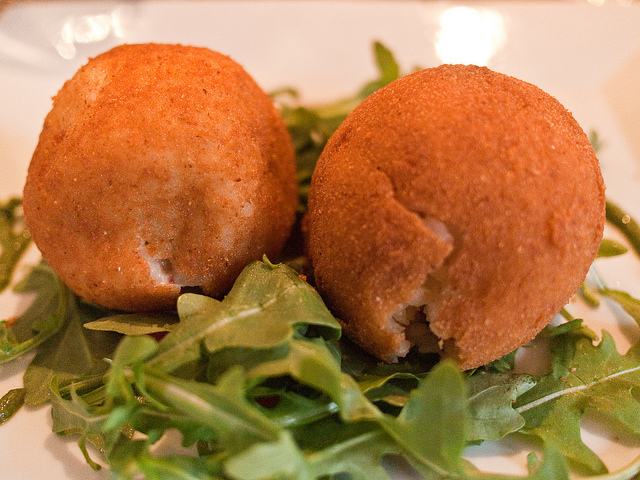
261, 385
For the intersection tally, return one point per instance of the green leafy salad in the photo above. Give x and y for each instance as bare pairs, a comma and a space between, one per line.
261, 385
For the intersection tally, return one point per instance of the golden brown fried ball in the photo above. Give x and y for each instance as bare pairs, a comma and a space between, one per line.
457, 209
159, 167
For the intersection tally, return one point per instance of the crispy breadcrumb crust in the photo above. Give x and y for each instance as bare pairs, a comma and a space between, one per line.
159, 167
499, 163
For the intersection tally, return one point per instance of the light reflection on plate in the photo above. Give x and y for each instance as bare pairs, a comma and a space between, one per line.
469, 35
587, 56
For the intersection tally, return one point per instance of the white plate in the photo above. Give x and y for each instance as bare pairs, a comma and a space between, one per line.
587, 56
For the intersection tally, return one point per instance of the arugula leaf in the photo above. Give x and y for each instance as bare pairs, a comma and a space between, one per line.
491, 402
10, 403
74, 416
71, 352
135, 323
432, 426
392, 389
362, 365
313, 365
135, 461
610, 248
260, 311
14, 239
222, 407
357, 449
553, 466
584, 376
278, 459
388, 70
43, 318
255, 447
200, 410
141, 396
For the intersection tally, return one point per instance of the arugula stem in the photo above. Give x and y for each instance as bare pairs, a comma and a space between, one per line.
627, 473
311, 415
14, 239
568, 391
588, 295
183, 397
625, 223
95, 388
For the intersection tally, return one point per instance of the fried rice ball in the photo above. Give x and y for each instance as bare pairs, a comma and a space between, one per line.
159, 167
456, 210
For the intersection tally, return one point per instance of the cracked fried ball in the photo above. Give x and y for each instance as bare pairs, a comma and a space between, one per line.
456, 210
159, 167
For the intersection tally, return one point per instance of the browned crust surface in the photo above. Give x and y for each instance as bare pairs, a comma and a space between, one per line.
162, 152
499, 162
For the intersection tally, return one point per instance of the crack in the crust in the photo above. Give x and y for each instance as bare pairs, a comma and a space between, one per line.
412, 318
163, 272
160, 269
